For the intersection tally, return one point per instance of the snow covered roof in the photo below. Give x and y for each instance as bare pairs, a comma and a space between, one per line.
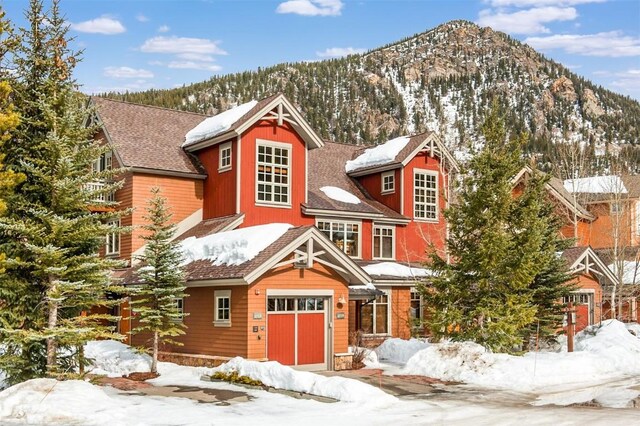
217, 124
340, 194
232, 247
596, 185
393, 270
381, 154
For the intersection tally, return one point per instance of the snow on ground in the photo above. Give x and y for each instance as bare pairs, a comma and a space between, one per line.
603, 354
232, 247
399, 350
282, 377
596, 185
634, 327
217, 124
340, 194
395, 269
381, 154
115, 359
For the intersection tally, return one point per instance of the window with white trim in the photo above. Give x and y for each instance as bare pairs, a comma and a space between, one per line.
416, 305
273, 174
105, 162
388, 182
224, 162
383, 242
179, 302
112, 246
345, 235
425, 195
222, 308
374, 316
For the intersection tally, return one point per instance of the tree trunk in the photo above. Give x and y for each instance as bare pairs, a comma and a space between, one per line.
52, 344
81, 359
154, 361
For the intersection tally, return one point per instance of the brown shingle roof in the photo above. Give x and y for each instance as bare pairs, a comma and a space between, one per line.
149, 137
572, 254
205, 270
558, 186
210, 226
326, 168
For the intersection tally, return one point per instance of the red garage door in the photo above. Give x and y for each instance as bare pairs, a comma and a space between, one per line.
296, 331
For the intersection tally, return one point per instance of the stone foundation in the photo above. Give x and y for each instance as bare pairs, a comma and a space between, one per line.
193, 360
343, 362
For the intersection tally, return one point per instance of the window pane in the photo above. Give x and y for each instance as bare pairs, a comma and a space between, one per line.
387, 247
302, 304
280, 306
381, 319
366, 318
271, 305
320, 304
311, 304
291, 304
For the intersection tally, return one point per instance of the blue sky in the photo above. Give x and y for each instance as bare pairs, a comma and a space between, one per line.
141, 44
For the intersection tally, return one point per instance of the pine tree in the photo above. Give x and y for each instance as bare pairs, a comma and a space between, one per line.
52, 234
505, 274
155, 301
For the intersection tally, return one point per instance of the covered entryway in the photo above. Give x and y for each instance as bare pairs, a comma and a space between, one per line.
298, 331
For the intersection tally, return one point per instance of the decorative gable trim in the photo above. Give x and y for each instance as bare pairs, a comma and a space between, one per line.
433, 145
590, 263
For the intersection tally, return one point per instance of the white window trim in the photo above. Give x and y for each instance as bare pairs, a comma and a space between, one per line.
223, 147
393, 241
110, 235
221, 294
391, 173
287, 146
349, 222
180, 308
413, 196
389, 325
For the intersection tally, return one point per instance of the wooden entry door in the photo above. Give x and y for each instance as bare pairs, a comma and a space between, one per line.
297, 331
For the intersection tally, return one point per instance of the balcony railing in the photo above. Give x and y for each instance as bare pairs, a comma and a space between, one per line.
101, 198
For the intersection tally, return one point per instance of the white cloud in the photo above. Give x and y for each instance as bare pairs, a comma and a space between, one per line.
539, 3
163, 29
525, 21
336, 52
192, 65
141, 18
606, 44
196, 57
102, 25
127, 72
311, 7
181, 45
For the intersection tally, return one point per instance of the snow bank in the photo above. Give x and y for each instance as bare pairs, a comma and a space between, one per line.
634, 327
217, 124
340, 194
396, 269
380, 154
596, 185
282, 377
47, 401
603, 353
115, 359
399, 350
232, 247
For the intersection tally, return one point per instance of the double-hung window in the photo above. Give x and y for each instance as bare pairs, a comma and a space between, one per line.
112, 246
224, 163
388, 182
222, 308
374, 316
345, 235
425, 195
273, 173
383, 242
179, 302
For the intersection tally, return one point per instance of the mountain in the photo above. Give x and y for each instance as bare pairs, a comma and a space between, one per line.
442, 80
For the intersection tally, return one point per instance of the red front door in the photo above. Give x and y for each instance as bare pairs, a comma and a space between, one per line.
296, 331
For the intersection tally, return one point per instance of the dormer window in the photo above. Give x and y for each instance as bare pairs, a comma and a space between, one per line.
388, 182
273, 180
224, 163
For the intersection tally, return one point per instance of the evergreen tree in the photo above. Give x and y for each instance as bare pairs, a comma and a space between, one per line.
155, 301
52, 233
505, 274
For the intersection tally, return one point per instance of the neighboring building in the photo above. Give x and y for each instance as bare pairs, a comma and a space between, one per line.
352, 211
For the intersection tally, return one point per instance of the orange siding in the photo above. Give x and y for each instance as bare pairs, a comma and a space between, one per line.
586, 282
400, 312
219, 188
256, 215
414, 239
373, 184
184, 196
606, 228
